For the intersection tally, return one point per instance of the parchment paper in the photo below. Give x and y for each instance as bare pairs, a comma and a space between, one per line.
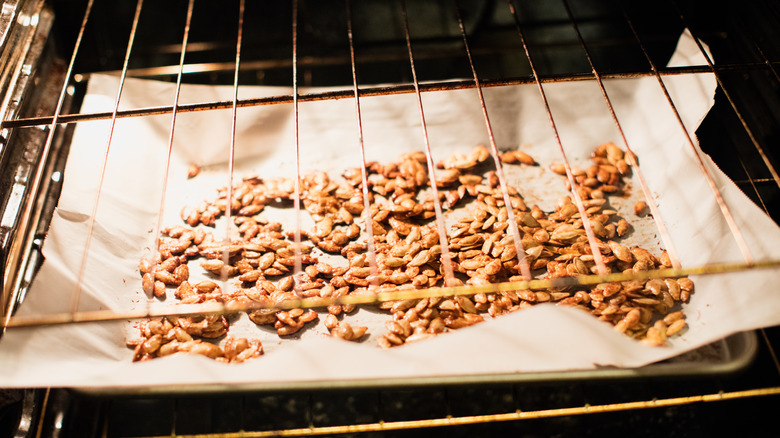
542, 338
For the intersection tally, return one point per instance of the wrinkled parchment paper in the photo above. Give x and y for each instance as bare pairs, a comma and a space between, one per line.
542, 338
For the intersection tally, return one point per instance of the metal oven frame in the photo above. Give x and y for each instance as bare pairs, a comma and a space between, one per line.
44, 76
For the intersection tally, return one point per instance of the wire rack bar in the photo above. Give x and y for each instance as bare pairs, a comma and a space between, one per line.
752, 181
725, 211
22, 247
385, 426
295, 98
371, 298
759, 149
339, 94
232, 151
449, 275
748, 130
525, 268
164, 186
367, 225
630, 156
76, 297
597, 257
770, 348
742, 23
216, 67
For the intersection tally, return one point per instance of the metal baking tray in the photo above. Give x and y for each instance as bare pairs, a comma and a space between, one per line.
729, 355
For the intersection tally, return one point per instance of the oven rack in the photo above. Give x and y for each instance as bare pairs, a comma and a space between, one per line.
758, 181
14, 279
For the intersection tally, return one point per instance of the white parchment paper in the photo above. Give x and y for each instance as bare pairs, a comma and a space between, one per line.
542, 338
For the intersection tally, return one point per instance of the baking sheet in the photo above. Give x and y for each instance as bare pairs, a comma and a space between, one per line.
95, 355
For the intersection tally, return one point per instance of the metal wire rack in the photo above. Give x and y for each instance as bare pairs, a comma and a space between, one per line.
297, 53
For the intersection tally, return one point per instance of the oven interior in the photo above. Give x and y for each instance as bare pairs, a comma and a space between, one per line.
615, 39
